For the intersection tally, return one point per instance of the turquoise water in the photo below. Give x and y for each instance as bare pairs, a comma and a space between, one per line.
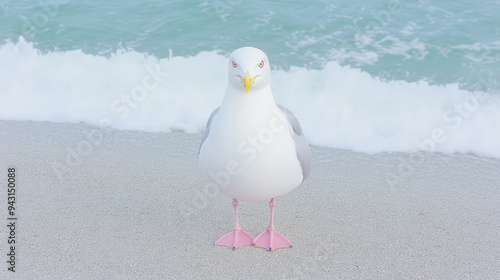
440, 42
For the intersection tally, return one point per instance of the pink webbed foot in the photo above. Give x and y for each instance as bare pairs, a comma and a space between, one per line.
271, 239
235, 239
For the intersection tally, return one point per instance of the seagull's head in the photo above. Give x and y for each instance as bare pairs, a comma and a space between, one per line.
249, 69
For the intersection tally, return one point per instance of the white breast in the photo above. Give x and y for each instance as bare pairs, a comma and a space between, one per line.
249, 153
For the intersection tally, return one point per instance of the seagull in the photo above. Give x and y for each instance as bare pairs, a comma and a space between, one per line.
253, 149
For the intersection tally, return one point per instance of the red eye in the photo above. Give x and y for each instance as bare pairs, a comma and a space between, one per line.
261, 64
234, 64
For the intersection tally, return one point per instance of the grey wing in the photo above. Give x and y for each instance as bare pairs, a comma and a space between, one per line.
207, 129
301, 146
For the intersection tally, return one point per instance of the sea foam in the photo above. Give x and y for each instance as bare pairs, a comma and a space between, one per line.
338, 106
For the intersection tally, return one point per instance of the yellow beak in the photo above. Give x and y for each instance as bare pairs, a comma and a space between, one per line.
247, 81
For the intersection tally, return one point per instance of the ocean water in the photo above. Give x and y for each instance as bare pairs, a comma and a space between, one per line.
370, 76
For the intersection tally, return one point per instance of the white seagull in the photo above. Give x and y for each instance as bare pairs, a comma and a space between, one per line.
253, 149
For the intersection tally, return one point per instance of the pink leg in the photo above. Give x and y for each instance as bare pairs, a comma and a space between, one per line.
237, 237
271, 239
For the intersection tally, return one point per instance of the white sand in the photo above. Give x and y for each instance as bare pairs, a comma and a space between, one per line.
133, 207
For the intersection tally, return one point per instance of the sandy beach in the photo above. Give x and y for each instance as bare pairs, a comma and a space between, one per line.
96, 203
